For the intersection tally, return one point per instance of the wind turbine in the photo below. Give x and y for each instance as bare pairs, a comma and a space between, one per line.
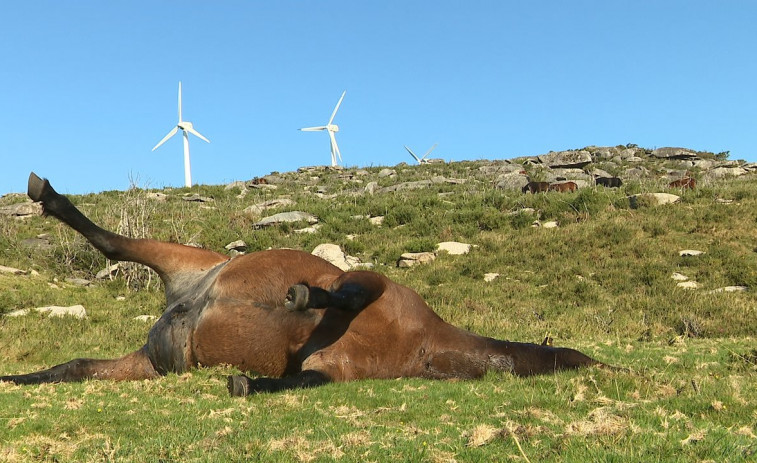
332, 129
186, 128
422, 160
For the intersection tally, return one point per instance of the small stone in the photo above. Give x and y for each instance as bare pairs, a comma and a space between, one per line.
76, 311
730, 289
313, 229
489, 277
11, 270
108, 271
690, 253
410, 259
688, 285
237, 245
454, 248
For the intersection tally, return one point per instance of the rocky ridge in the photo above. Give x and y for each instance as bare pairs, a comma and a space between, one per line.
630, 163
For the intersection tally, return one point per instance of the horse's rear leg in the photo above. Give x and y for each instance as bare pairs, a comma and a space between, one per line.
133, 366
525, 359
167, 259
351, 292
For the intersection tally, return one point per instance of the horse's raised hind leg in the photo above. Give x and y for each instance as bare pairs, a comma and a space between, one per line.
167, 259
302, 297
351, 292
134, 366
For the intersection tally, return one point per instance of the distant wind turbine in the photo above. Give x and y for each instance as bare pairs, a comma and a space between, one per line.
332, 129
186, 128
422, 160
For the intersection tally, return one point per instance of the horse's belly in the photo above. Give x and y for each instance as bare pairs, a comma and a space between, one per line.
168, 342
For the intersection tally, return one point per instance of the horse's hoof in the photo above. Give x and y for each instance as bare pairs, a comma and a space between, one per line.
238, 386
297, 297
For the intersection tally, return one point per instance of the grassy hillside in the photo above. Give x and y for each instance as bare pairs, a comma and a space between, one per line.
601, 282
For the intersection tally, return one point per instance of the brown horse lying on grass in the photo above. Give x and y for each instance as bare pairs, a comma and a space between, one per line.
288, 315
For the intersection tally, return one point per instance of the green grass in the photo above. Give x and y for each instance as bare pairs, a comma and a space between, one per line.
600, 282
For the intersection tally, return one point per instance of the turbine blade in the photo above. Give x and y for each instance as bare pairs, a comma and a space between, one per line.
180, 102
336, 108
314, 129
412, 154
429, 151
170, 134
334, 149
196, 133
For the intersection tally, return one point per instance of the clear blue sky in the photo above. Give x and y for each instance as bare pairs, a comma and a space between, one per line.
87, 88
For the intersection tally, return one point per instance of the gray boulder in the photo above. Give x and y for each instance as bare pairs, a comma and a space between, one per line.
566, 159
387, 173
514, 181
652, 199
674, 153
604, 152
294, 216
196, 198
725, 172
25, 209
334, 254
635, 173
256, 209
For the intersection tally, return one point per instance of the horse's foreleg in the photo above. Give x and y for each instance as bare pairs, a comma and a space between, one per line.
240, 386
133, 366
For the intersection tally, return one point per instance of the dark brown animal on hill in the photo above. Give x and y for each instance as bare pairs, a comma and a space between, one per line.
683, 183
609, 182
564, 186
536, 187
288, 315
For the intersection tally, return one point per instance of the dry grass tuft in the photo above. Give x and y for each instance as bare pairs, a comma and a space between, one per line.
483, 434
296, 444
694, 437
356, 439
601, 421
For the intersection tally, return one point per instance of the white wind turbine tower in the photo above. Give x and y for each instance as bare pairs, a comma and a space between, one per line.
422, 160
186, 128
332, 129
